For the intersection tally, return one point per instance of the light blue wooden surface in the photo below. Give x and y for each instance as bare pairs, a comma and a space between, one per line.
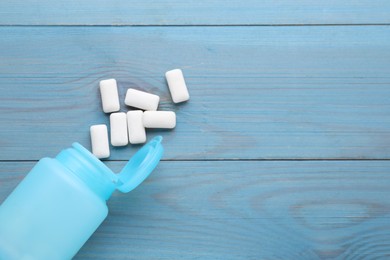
193, 12
257, 92
282, 152
244, 210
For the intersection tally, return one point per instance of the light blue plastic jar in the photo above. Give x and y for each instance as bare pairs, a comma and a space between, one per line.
62, 201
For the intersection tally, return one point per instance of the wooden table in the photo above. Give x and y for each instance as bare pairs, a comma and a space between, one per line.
281, 153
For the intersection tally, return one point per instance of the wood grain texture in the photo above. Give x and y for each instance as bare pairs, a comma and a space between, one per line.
192, 12
244, 210
256, 92
291, 91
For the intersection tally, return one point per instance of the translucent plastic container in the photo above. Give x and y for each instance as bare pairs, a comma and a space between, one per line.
62, 201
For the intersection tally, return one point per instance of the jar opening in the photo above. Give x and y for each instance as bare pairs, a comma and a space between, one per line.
94, 173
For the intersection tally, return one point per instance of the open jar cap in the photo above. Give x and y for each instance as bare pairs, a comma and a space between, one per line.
140, 165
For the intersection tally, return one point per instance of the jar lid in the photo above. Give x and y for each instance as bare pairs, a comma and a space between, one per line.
140, 165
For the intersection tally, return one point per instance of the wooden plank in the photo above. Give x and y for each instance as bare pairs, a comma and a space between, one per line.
244, 210
192, 12
256, 92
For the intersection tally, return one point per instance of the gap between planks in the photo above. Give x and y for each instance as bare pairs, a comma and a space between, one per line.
234, 160
193, 25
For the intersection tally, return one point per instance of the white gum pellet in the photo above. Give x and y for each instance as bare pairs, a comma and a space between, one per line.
159, 119
109, 94
177, 86
136, 127
99, 141
141, 99
118, 129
